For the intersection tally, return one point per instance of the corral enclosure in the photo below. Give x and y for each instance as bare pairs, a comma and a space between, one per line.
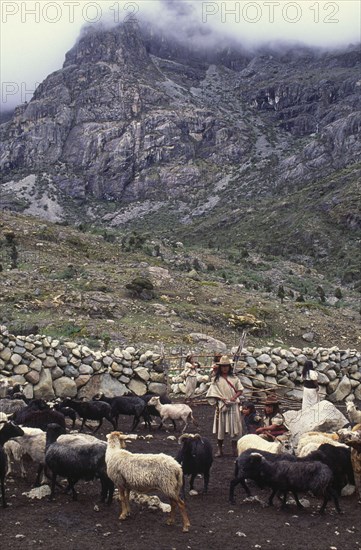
87, 524
54, 368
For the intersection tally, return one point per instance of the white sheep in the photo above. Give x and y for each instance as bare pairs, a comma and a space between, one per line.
143, 473
353, 413
310, 441
174, 411
253, 441
32, 445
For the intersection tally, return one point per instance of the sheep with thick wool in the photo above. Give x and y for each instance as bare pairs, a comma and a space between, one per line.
31, 444
75, 457
241, 465
253, 441
292, 476
174, 411
311, 441
143, 473
337, 458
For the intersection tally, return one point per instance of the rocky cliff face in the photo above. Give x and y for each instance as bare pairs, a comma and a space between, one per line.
136, 116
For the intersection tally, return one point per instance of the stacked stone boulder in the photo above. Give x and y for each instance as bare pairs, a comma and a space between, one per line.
53, 368
339, 371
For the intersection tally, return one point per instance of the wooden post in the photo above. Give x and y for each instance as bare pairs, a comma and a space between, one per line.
240, 347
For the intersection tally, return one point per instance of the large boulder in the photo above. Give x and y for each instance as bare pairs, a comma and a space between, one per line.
322, 417
207, 342
65, 387
157, 388
142, 373
102, 383
137, 387
343, 390
44, 389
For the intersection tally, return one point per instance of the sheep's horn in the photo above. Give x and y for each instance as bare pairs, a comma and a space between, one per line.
184, 436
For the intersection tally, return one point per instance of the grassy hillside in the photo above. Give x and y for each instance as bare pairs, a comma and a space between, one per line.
63, 281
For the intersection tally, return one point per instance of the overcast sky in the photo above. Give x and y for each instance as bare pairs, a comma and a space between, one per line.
35, 35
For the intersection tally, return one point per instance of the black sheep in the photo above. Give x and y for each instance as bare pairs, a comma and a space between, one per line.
67, 412
241, 463
295, 476
39, 418
75, 457
338, 459
127, 405
90, 410
195, 457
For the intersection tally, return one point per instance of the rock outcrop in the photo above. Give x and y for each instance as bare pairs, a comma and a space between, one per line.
135, 115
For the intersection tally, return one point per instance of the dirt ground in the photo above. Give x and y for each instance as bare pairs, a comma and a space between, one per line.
86, 524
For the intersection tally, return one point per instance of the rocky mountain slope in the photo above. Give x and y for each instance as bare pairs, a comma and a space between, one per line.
79, 283
258, 151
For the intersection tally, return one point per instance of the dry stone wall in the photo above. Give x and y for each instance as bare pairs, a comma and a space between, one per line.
339, 372
54, 368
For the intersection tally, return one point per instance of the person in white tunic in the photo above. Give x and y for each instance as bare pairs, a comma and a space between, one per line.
190, 375
310, 386
224, 392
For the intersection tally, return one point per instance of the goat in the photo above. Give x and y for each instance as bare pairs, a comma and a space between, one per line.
143, 473
75, 457
7, 431
131, 405
173, 412
295, 476
90, 410
195, 457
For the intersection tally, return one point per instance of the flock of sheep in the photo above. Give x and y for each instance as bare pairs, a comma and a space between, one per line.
322, 463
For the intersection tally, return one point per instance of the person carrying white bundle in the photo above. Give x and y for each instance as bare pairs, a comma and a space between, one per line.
310, 386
